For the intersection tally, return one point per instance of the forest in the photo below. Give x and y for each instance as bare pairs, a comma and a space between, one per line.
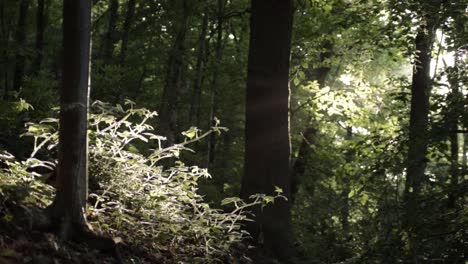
234, 131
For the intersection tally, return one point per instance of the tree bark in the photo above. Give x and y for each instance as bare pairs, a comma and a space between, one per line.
4, 49
418, 132
299, 167
126, 29
21, 45
267, 143
214, 82
194, 115
69, 206
170, 99
40, 28
465, 151
111, 31
453, 118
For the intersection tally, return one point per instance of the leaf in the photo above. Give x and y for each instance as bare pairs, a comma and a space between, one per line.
49, 120
217, 121
191, 133
129, 102
32, 129
269, 199
296, 81
364, 199
278, 190
230, 200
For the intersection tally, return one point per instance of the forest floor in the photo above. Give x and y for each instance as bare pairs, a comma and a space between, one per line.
19, 244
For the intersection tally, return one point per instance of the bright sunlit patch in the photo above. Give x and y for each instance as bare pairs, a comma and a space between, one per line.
383, 16
360, 130
443, 58
440, 61
346, 78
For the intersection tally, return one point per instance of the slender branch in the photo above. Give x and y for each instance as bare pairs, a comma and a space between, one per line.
36, 149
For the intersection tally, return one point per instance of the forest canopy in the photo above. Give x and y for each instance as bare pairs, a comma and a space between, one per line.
233, 131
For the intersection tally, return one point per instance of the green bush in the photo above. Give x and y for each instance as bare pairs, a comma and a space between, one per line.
133, 197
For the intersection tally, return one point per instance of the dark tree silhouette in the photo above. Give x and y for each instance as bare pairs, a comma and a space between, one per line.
267, 146
69, 206
21, 45
419, 128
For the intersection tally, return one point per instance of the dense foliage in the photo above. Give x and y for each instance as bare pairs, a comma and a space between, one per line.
351, 71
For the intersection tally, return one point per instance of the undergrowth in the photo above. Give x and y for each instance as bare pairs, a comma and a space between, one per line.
132, 196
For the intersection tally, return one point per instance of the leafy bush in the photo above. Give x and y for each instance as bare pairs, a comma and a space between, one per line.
133, 197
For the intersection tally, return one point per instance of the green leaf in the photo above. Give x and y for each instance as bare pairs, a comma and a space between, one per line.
296, 81
191, 133
269, 199
49, 120
32, 129
278, 190
230, 200
364, 199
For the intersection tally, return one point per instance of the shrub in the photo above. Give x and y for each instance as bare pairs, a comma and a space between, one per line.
133, 197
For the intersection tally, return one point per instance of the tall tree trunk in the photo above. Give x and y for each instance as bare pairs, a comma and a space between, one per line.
126, 29
344, 214
418, 132
21, 45
214, 82
455, 97
267, 143
40, 28
169, 105
111, 31
199, 73
299, 167
465, 152
69, 206
4, 48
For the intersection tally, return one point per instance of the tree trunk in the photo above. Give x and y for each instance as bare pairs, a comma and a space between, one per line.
214, 82
465, 151
418, 132
111, 31
194, 115
69, 206
40, 28
126, 29
452, 127
300, 164
267, 143
4, 49
170, 97
344, 214
21, 45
